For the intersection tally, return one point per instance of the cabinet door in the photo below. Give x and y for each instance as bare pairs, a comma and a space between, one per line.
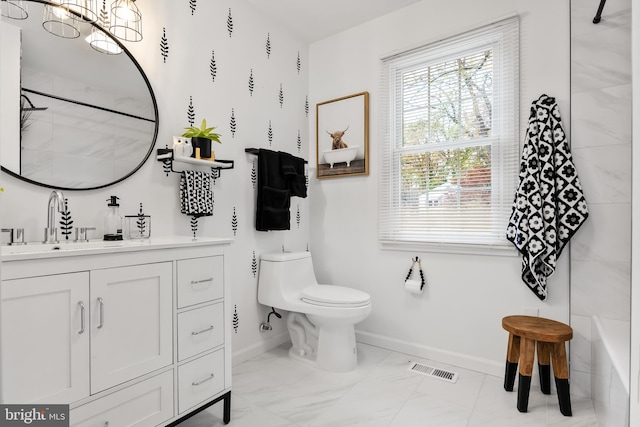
45, 346
131, 322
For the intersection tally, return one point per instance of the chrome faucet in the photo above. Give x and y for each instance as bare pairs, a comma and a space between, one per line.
51, 232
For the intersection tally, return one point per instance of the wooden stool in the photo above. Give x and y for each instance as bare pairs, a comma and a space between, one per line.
525, 333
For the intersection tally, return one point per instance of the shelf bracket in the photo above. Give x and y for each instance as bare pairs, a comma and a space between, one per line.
166, 156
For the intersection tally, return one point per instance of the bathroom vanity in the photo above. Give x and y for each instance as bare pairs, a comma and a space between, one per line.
126, 333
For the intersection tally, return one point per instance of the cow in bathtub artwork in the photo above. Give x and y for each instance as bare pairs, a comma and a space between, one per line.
340, 152
342, 136
336, 137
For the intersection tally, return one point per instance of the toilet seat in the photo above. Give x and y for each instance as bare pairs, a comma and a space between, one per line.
335, 296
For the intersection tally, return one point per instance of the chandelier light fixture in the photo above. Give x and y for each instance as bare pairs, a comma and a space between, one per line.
87, 9
60, 22
14, 9
126, 21
98, 39
63, 18
103, 43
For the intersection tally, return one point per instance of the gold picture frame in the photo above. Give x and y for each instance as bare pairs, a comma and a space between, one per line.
342, 136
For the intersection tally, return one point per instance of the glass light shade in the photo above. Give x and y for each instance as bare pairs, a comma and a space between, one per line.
103, 43
126, 21
88, 9
60, 22
14, 9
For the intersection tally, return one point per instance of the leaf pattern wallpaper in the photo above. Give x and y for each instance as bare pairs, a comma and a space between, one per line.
234, 222
191, 113
268, 45
212, 66
236, 318
232, 123
254, 174
164, 46
254, 264
251, 85
230, 23
247, 78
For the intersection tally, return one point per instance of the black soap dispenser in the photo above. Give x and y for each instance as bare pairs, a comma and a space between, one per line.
113, 220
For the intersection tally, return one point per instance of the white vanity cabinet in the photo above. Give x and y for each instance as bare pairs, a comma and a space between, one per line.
126, 335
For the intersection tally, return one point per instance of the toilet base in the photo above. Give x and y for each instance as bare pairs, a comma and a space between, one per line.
335, 350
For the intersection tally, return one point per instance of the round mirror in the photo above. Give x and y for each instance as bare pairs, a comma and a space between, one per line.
88, 117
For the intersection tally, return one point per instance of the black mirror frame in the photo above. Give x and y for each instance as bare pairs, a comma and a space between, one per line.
155, 131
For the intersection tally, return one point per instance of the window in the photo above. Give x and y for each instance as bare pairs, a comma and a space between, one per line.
450, 139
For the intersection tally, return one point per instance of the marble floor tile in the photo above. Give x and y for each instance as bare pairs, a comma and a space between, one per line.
421, 410
270, 390
464, 392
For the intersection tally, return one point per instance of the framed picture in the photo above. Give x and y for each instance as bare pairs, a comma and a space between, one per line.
342, 136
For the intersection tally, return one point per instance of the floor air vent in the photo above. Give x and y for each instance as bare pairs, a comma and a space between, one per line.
430, 371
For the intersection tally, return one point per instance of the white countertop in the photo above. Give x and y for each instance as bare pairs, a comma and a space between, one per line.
37, 250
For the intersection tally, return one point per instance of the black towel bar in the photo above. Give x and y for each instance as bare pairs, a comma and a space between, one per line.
256, 150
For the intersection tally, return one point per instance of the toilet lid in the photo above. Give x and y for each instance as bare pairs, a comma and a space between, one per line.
330, 295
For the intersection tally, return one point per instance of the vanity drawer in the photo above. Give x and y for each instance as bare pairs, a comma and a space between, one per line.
200, 330
200, 280
147, 403
200, 380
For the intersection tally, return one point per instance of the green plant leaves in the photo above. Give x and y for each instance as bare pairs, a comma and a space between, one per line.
202, 132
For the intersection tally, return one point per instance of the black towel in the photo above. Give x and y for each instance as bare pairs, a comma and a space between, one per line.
280, 176
272, 205
293, 171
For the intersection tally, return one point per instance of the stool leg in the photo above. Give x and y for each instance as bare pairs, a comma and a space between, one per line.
513, 353
527, 352
561, 374
544, 366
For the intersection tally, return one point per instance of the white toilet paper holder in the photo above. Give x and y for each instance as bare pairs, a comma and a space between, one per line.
413, 263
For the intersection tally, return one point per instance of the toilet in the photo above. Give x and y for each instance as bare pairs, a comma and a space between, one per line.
321, 318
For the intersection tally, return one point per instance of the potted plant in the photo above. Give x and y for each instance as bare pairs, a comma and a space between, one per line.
201, 138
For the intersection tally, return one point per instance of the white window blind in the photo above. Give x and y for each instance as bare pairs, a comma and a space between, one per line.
449, 128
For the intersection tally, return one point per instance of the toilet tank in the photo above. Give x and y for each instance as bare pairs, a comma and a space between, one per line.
283, 276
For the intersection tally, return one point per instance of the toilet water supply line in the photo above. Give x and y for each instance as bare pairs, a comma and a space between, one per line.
264, 327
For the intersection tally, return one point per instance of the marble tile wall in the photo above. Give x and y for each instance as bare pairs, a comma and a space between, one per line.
601, 146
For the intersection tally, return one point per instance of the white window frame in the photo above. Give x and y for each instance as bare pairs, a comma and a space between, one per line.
502, 37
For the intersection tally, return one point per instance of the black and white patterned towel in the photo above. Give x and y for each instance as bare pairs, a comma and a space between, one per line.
549, 206
196, 194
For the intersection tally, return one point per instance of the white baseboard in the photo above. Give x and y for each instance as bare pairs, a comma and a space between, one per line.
260, 347
426, 352
443, 356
